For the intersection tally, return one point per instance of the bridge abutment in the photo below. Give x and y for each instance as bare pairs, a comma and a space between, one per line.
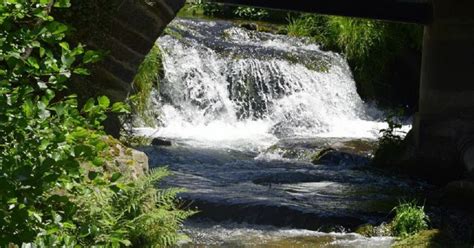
444, 126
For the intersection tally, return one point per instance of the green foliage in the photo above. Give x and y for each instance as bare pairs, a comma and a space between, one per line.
389, 134
51, 150
208, 8
147, 78
390, 144
370, 46
126, 213
410, 218
251, 13
43, 135
307, 26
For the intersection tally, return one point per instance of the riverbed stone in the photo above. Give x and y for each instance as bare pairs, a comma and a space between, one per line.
366, 230
335, 157
160, 142
130, 162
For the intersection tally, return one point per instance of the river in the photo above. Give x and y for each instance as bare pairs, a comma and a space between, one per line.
246, 112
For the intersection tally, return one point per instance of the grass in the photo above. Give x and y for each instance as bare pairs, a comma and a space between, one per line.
410, 218
371, 47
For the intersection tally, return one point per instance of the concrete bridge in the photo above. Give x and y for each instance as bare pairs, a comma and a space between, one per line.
443, 136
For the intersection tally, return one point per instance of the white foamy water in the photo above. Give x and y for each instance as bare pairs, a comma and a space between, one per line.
242, 235
225, 85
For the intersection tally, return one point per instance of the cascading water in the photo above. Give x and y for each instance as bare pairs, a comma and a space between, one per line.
245, 112
226, 83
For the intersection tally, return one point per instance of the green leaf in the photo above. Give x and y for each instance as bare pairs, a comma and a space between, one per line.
62, 4
104, 101
33, 62
28, 108
91, 57
64, 45
81, 71
88, 106
116, 176
120, 107
92, 175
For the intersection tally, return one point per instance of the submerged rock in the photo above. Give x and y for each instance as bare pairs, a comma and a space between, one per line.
160, 142
249, 26
332, 156
366, 230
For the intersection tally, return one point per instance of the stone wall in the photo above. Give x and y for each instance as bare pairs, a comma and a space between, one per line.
127, 30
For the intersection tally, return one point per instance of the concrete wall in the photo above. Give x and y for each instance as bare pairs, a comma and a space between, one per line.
444, 127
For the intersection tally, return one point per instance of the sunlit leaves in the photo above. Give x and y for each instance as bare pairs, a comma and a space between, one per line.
45, 140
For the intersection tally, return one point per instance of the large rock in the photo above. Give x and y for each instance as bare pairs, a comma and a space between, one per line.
129, 162
334, 157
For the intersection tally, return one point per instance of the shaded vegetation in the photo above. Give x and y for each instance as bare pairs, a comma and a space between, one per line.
377, 51
391, 144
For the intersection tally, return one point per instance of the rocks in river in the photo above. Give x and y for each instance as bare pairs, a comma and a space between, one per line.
160, 142
369, 230
366, 230
249, 26
332, 156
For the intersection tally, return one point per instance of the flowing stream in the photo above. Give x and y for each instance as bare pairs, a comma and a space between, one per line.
246, 111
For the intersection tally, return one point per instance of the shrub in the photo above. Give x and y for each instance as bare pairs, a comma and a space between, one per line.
51, 150
370, 46
391, 145
128, 213
251, 13
208, 8
409, 219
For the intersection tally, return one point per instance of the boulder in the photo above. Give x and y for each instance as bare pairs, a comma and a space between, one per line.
160, 142
128, 161
335, 157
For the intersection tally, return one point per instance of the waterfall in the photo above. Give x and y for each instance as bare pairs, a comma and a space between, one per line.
223, 82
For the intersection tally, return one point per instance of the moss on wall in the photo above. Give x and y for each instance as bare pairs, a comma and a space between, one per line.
148, 78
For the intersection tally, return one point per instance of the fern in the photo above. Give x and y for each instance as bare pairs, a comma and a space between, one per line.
138, 214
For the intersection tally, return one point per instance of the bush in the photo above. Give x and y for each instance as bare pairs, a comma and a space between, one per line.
52, 151
251, 13
391, 145
208, 8
371, 47
409, 219
129, 213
